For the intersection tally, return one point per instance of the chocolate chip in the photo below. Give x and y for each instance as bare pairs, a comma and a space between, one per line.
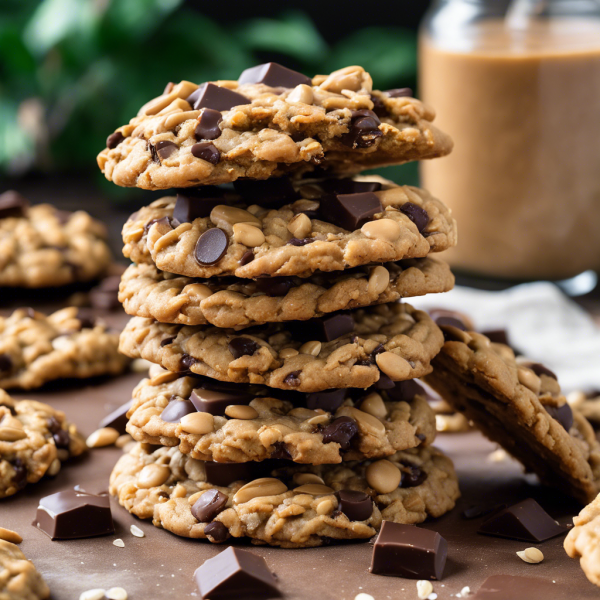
61, 439
563, 414
187, 362
247, 257
164, 149
188, 209
12, 204
223, 474
292, 379
413, 477
216, 401
53, 425
273, 75
206, 151
268, 192
329, 401
443, 317
274, 286
323, 329
347, 185
399, 92
416, 214
114, 139
176, 410
208, 125
19, 479
341, 431
379, 107
540, 370
242, 346
5, 363
404, 391
384, 382
217, 531
350, 211
209, 95
363, 130
86, 318
300, 242
211, 246
280, 452
209, 505
497, 336
357, 506
167, 341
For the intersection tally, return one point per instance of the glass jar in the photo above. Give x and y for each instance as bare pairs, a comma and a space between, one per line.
517, 85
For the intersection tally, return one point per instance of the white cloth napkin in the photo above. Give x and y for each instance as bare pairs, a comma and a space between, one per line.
542, 323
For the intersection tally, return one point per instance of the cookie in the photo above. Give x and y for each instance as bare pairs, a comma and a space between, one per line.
291, 506
36, 349
35, 439
588, 404
317, 232
19, 579
246, 423
238, 303
41, 246
357, 347
225, 130
583, 541
520, 406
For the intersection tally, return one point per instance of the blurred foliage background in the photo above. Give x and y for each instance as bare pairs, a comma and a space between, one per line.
71, 71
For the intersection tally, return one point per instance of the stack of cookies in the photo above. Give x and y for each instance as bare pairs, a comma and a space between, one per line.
266, 289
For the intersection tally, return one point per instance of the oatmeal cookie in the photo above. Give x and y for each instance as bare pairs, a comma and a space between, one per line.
238, 303
583, 541
289, 506
357, 347
19, 579
41, 246
36, 349
225, 130
520, 406
313, 233
35, 439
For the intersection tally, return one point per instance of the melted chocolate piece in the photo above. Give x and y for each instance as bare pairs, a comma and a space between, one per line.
62, 439
270, 193
399, 92
209, 505
73, 514
363, 131
206, 151
168, 341
292, 379
540, 370
385, 383
341, 431
416, 214
300, 242
280, 452
379, 107
164, 149
242, 346
349, 186
176, 410
208, 125
443, 317
413, 477
409, 551
357, 506
273, 75
209, 95
563, 414
350, 211
114, 139
6, 363
248, 257
323, 329
329, 401
274, 286
117, 419
12, 204
211, 246
216, 401
187, 362
217, 531
188, 209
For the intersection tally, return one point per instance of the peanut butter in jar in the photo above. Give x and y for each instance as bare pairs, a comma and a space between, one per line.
517, 85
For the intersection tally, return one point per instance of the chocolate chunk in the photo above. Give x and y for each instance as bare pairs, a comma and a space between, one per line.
211, 246
62, 439
209, 505
450, 318
12, 204
19, 479
53, 425
235, 573
114, 139
280, 452
349, 186
187, 362
176, 410
209, 95
409, 551
216, 401
526, 521
106, 295
413, 477
323, 329
540, 370
512, 587
363, 130
208, 125
357, 506
273, 75
206, 151
329, 401
247, 257
223, 474
168, 341
73, 514
242, 346
218, 532
117, 419
379, 107
270, 193
86, 318
563, 414
405, 391
350, 211
188, 209
416, 214
292, 379
274, 286
5, 363
384, 382
474, 512
497, 336
301, 242
341, 431
164, 149
399, 92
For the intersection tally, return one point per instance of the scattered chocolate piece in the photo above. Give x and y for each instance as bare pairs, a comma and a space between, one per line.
540, 370
242, 346
208, 125
512, 587
274, 286
405, 391
188, 209
347, 185
323, 329
474, 512
363, 131
292, 379
526, 521
399, 92
206, 151
209, 95
209, 505
117, 419
301, 242
6, 363
329, 401
350, 211
273, 75
271, 193
234, 573
341, 431
12, 204
217, 531
211, 246
165, 148
216, 401
409, 551
176, 410
497, 336
416, 214
357, 506
114, 139
563, 414
247, 257
73, 514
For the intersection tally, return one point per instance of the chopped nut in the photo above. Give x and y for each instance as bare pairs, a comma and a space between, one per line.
383, 229
241, 411
119, 543
106, 436
198, 423
153, 475
313, 348
96, 594
54, 467
531, 555
379, 279
424, 588
394, 366
248, 235
116, 593
136, 531
265, 486
10, 536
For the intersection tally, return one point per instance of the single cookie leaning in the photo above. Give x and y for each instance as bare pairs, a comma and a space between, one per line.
318, 231
35, 348
41, 246
583, 541
520, 406
292, 506
357, 347
147, 292
19, 579
237, 423
266, 127
35, 439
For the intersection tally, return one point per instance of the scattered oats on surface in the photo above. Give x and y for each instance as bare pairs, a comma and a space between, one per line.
497, 456
135, 530
424, 588
531, 555
119, 543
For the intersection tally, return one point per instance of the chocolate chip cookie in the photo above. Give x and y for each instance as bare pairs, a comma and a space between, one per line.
258, 128
41, 246
520, 406
338, 351
36, 349
19, 579
287, 506
35, 439
238, 303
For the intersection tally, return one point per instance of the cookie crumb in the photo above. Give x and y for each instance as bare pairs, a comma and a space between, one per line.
135, 530
497, 456
8, 535
466, 591
119, 543
116, 593
531, 555
424, 588
363, 596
